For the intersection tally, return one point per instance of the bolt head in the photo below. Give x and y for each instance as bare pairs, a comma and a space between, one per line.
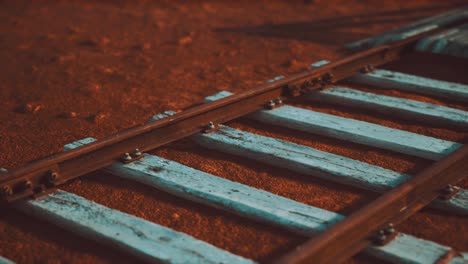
317, 80
271, 104
26, 184
380, 238
364, 69
137, 153
211, 125
278, 101
39, 189
6, 191
126, 156
328, 75
449, 189
390, 229
52, 177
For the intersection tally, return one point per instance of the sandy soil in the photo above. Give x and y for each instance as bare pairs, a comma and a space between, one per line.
73, 69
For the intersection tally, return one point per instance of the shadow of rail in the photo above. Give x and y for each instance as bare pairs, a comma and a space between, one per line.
325, 31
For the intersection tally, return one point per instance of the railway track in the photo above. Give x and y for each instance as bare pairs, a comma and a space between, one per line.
334, 236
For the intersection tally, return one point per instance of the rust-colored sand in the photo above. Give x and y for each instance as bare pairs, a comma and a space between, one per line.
73, 69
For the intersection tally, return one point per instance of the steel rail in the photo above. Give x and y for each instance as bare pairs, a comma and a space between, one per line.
41, 176
355, 233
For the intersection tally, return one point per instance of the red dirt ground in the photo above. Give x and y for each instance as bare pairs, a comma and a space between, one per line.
73, 69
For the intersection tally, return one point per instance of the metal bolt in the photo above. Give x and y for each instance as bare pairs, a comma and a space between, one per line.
308, 83
367, 69
278, 101
137, 153
39, 189
6, 191
26, 184
390, 229
52, 177
294, 90
328, 78
449, 189
271, 104
380, 238
127, 157
209, 128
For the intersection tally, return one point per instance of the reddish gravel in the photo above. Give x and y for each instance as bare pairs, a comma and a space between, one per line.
73, 69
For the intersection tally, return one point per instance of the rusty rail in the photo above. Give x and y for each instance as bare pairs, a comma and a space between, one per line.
362, 228
40, 177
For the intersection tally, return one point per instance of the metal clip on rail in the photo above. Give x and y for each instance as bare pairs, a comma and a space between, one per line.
385, 235
45, 186
211, 127
311, 84
272, 104
367, 69
448, 192
131, 157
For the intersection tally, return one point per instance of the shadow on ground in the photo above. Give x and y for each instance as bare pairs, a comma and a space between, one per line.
325, 31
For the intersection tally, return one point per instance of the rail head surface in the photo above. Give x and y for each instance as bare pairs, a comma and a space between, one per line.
356, 232
42, 176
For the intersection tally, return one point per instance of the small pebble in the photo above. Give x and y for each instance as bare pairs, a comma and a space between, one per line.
143, 46
49, 36
147, 46
89, 42
104, 41
208, 7
30, 108
100, 117
90, 89
73, 30
185, 40
24, 46
108, 70
290, 63
68, 115
175, 216
31, 69
93, 42
65, 58
202, 75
